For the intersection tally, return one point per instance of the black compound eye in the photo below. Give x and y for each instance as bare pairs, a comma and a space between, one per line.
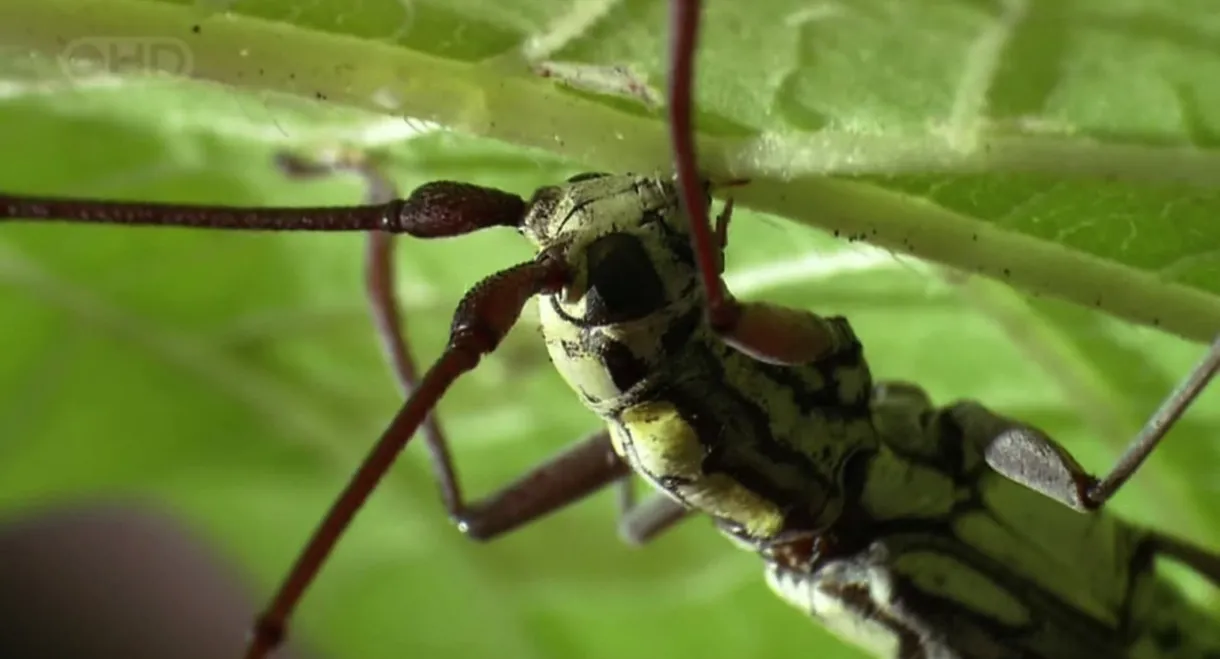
587, 176
623, 283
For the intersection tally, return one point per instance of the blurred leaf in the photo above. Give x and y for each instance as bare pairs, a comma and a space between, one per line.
1067, 148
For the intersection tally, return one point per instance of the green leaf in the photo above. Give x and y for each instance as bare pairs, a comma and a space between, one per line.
1065, 148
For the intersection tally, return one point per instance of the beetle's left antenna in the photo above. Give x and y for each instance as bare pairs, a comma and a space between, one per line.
415, 215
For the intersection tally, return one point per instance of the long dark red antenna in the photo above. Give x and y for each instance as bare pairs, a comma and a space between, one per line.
347, 218
416, 215
683, 43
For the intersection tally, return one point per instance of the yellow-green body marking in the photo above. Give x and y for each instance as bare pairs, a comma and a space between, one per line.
873, 510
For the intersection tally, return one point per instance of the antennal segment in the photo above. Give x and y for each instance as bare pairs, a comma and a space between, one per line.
435, 210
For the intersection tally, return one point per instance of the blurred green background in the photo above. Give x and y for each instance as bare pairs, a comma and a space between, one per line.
235, 380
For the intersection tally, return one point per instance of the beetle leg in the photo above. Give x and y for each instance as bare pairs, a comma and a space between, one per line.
1157, 425
1204, 562
641, 523
483, 317
1028, 456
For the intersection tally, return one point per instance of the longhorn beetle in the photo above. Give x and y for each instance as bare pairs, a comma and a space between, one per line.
911, 530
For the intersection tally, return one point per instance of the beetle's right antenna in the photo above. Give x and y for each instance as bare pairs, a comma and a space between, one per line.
683, 43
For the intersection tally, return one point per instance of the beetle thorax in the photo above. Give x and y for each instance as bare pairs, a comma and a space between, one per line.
589, 206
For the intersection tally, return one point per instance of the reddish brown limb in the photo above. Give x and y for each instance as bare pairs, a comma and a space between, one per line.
383, 302
387, 318
576, 472
781, 335
641, 523
766, 332
482, 319
683, 44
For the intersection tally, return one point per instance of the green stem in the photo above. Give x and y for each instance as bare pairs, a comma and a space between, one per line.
515, 107
906, 224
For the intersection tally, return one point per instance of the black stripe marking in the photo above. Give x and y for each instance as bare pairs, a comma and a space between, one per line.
676, 243
1044, 637
937, 535
855, 531
857, 599
1143, 561
680, 332
949, 458
586, 176
626, 370
709, 405
823, 395
573, 350
568, 318
672, 483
